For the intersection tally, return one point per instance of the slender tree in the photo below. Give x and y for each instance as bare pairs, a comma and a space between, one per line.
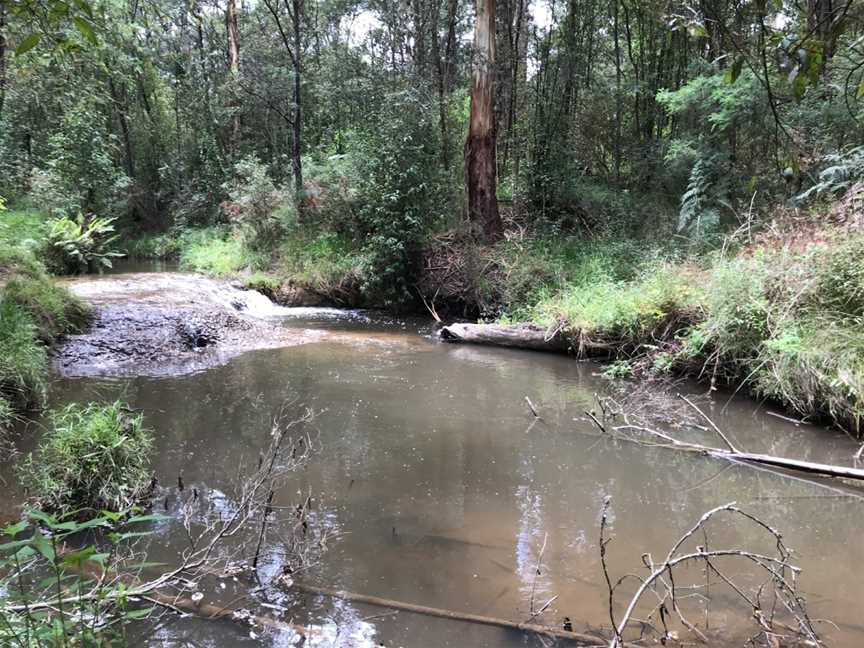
2, 56
480, 149
233, 65
293, 43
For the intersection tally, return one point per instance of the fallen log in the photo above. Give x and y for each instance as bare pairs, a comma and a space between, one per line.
452, 615
825, 470
519, 336
770, 461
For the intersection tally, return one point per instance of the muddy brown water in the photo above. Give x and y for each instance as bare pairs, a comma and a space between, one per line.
443, 491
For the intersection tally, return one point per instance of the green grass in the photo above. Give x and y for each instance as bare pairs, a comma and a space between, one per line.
55, 311
788, 325
34, 312
213, 251
323, 262
23, 359
22, 227
92, 457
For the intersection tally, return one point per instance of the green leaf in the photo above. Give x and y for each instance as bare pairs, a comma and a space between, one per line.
156, 517
14, 529
697, 31
86, 30
28, 43
43, 546
137, 614
79, 556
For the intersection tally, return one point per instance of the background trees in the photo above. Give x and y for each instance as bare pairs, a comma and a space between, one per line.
142, 108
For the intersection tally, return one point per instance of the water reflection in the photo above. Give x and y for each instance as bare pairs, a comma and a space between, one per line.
444, 491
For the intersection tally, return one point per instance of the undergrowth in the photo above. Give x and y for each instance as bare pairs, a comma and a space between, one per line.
784, 324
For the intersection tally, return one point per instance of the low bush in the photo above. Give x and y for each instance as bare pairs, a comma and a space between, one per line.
256, 206
92, 457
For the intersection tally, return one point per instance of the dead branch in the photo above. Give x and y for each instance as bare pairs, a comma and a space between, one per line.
640, 433
554, 633
782, 575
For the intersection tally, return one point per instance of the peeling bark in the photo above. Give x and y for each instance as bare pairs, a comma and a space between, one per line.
480, 166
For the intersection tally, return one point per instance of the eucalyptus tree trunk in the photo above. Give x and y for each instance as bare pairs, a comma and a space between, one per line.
2, 56
480, 168
293, 42
233, 66
297, 130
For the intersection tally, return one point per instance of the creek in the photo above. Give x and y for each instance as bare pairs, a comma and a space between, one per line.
441, 489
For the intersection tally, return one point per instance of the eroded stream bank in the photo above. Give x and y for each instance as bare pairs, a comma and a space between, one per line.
443, 491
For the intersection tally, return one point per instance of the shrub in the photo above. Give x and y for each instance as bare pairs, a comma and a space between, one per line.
256, 205
92, 457
80, 245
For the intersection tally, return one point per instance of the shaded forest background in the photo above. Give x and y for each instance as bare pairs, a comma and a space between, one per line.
625, 116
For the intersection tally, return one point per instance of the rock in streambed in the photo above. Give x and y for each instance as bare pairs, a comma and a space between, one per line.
170, 323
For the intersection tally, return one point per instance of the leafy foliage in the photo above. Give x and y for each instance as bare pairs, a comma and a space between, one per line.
80, 245
842, 171
699, 211
50, 597
262, 211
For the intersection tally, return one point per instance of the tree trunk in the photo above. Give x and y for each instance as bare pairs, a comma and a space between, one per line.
120, 109
480, 167
520, 336
297, 129
2, 56
233, 67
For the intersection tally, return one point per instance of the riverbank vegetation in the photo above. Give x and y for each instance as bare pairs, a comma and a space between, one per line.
34, 313
679, 183
91, 458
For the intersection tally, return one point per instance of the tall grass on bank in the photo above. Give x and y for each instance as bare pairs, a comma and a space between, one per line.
788, 325
92, 457
34, 313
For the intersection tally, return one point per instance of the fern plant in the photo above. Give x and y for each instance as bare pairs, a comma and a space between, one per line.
843, 170
80, 245
699, 203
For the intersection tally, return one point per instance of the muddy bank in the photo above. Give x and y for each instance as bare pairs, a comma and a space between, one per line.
169, 324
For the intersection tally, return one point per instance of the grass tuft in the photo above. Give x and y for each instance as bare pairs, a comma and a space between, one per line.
93, 457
